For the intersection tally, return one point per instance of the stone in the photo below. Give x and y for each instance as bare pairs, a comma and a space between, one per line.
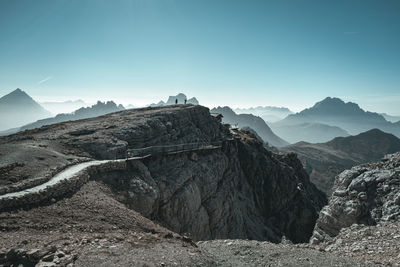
376, 201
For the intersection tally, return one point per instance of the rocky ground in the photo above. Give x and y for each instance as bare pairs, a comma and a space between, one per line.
86, 223
378, 245
256, 253
91, 228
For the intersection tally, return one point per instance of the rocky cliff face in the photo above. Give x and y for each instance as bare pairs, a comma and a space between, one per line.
367, 194
236, 190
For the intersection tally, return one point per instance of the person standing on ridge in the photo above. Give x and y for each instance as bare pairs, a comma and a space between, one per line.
176, 101
185, 101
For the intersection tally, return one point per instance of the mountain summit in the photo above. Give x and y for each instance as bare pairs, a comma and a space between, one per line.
333, 105
348, 116
18, 97
18, 108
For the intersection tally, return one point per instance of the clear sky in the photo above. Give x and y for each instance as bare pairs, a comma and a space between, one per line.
224, 52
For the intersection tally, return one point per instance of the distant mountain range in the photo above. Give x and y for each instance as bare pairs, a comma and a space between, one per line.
326, 160
64, 106
312, 132
254, 122
181, 100
99, 109
391, 118
348, 118
18, 108
267, 113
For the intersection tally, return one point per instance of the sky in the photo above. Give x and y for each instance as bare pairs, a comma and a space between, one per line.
223, 52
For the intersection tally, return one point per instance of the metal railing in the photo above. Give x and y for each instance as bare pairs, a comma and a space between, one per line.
159, 150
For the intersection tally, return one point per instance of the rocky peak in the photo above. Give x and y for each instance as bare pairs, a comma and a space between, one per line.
18, 108
17, 97
333, 106
367, 194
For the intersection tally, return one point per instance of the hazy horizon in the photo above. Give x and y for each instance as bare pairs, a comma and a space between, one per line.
147, 101
235, 53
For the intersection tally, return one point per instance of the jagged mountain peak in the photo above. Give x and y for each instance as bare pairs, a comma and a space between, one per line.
15, 97
345, 115
18, 108
333, 106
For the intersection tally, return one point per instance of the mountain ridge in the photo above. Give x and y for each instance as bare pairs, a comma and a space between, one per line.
99, 109
347, 116
323, 161
254, 122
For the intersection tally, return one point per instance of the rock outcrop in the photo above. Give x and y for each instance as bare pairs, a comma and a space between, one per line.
238, 190
367, 194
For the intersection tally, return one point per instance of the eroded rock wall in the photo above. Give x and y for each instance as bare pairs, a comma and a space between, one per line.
367, 194
238, 191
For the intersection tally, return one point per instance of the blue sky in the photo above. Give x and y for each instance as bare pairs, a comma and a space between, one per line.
237, 53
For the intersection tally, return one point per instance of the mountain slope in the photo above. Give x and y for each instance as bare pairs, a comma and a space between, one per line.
348, 116
18, 108
326, 160
254, 122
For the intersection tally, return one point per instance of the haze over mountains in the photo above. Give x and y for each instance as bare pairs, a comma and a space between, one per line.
391, 118
278, 126
312, 132
99, 109
18, 108
254, 122
64, 106
267, 113
335, 112
324, 161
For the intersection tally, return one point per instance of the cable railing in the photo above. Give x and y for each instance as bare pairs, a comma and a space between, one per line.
158, 150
